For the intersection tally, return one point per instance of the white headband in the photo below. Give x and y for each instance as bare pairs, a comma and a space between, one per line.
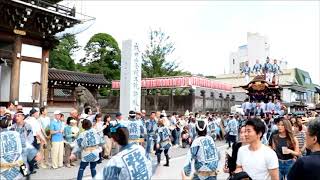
204, 126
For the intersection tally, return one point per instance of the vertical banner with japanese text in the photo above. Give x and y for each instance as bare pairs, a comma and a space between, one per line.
130, 79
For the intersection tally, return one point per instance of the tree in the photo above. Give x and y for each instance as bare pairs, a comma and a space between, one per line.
61, 56
102, 56
155, 61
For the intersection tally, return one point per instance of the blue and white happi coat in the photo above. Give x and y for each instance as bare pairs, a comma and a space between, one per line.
88, 138
276, 69
211, 130
163, 137
151, 126
10, 152
205, 155
232, 127
136, 129
192, 130
246, 70
27, 138
130, 163
270, 107
257, 68
268, 67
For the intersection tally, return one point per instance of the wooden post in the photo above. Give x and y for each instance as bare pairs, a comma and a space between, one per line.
44, 76
15, 71
203, 94
193, 98
228, 102
171, 101
212, 96
221, 98
143, 99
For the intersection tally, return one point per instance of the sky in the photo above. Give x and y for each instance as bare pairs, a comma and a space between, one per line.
206, 32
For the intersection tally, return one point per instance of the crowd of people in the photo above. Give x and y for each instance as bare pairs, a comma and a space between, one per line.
270, 71
267, 144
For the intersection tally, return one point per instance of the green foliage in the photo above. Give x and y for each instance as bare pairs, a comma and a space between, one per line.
155, 61
105, 91
103, 56
61, 56
81, 68
211, 77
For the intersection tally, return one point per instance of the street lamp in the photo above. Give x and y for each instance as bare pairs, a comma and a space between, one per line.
35, 92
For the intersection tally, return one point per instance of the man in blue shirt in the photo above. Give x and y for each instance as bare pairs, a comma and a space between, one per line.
232, 130
246, 106
257, 68
246, 71
56, 130
151, 127
308, 167
253, 109
276, 71
270, 106
268, 70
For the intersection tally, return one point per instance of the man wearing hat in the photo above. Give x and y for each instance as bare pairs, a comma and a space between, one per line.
135, 128
57, 149
246, 71
27, 139
268, 70
36, 128
204, 153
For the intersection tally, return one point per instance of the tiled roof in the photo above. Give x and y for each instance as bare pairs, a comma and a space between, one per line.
77, 77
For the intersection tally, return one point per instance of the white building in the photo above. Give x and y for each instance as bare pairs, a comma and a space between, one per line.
257, 47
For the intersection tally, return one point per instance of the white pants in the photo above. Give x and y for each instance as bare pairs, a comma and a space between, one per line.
269, 76
247, 78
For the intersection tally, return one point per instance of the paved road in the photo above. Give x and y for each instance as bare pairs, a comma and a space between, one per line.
177, 155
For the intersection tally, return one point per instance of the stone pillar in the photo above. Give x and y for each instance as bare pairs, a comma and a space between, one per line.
203, 94
193, 98
15, 71
171, 100
221, 99
228, 103
212, 97
233, 100
130, 78
156, 102
143, 99
44, 77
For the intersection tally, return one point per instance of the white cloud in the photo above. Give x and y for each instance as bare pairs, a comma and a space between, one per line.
206, 32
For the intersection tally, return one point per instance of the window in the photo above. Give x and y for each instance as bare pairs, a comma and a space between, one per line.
62, 92
307, 80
